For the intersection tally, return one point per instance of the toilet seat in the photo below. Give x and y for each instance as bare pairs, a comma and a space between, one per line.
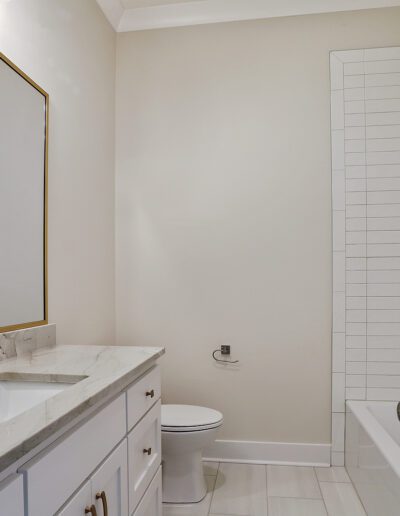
189, 418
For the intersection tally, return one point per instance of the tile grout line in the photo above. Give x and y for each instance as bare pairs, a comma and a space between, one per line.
320, 490
342, 429
212, 494
366, 238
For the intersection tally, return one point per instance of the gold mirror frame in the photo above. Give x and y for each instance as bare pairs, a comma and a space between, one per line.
45, 221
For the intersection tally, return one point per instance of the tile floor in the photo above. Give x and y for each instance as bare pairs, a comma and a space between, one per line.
250, 490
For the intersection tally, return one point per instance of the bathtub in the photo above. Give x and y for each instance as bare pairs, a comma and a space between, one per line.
372, 455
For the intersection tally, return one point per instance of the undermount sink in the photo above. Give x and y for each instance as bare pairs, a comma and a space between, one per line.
20, 392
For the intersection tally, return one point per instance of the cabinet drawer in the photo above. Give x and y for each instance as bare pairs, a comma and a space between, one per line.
143, 395
53, 476
12, 497
144, 454
151, 503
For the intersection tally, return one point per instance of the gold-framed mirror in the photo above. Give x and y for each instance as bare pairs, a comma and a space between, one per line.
24, 130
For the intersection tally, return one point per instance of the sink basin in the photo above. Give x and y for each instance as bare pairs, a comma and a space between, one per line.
19, 393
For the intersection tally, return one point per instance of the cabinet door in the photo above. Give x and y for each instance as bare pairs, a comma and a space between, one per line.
76, 506
12, 497
74, 457
151, 503
110, 484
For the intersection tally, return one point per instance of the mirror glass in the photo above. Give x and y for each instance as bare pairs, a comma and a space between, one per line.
23, 199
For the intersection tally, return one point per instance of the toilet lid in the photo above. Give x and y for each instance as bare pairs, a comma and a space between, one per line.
187, 418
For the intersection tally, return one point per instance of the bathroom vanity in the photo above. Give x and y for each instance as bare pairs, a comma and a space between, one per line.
80, 429
81, 432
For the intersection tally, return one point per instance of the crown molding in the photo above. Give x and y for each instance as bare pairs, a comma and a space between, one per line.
216, 11
113, 11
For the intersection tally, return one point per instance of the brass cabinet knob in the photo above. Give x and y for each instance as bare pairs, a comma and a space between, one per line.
147, 450
150, 393
91, 510
103, 498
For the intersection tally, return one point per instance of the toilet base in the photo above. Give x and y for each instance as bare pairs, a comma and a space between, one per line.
183, 478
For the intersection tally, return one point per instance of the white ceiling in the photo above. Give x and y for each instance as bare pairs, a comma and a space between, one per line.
130, 15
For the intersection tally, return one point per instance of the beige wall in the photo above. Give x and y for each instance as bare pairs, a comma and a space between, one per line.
69, 49
224, 212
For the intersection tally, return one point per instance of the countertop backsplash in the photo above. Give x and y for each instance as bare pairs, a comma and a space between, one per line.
15, 343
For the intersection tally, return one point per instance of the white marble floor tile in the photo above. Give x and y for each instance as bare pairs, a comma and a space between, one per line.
341, 499
197, 509
295, 507
333, 474
240, 489
210, 468
292, 482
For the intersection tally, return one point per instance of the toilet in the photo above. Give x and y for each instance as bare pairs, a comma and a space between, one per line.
185, 431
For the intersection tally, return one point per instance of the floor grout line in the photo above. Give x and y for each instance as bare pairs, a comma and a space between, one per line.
322, 494
320, 490
213, 491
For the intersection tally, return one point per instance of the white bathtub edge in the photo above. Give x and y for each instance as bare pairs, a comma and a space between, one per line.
384, 442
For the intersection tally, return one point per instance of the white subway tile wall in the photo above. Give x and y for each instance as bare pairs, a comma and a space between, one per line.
365, 125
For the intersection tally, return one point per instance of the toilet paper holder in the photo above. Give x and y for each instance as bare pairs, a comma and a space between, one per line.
224, 350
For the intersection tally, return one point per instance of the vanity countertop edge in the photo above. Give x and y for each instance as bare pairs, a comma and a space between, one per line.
106, 371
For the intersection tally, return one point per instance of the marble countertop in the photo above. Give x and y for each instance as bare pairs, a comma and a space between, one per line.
106, 371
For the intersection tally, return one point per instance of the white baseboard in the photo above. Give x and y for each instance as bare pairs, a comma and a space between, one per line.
253, 452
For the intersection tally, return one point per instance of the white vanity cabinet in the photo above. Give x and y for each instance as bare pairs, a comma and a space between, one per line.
106, 491
12, 497
142, 395
52, 477
144, 452
110, 483
151, 503
80, 501
109, 464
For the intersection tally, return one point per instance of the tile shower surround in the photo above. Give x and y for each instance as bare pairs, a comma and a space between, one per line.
365, 125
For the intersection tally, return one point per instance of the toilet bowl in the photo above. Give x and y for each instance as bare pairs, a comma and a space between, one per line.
185, 431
